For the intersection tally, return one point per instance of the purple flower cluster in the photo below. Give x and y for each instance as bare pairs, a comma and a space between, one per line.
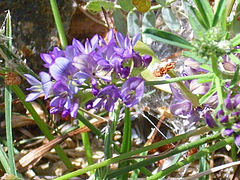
228, 118
97, 66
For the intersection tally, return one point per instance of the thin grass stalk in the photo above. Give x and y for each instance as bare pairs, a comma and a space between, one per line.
203, 164
58, 22
97, 132
87, 146
42, 125
126, 140
8, 104
153, 159
143, 149
4, 160
198, 155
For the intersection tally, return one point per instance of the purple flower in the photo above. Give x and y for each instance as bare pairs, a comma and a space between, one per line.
237, 140
49, 58
38, 87
228, 132
64, 101
90, 46
107, 97
61, 69
234, 130
209, 120
132, 91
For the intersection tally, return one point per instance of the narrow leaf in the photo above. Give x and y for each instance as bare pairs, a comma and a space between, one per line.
235, 77
194, 19
219, 12
193, 56
132, 24
236, 40
205, 10
206, 96
170, 19
168, 38
234, 58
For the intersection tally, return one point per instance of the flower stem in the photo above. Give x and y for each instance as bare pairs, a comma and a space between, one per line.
58, 22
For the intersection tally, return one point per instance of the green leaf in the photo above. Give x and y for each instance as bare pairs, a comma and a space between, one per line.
149, 21
119, 21
236, 40
133, 24
205, 11
235, 77
206, 67
126, 5
193, 56
206, 96
219, 12
170, 19
194, 18
168, 38
96, 5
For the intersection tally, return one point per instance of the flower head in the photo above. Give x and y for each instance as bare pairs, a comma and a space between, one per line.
132, 91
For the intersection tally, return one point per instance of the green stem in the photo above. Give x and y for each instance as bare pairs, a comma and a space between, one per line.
186, 92
140, 150
178, 79
218, 81
126, 140
192, 158
42, 125
8, 104
86, 144
58, 22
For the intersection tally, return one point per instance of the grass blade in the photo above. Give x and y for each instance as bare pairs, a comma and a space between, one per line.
148, 161
192, 158
87, 146
126, 141
144, 149
4, 160
8, 105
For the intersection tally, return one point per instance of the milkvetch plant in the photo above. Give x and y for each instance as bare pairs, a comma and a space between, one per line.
106, 74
